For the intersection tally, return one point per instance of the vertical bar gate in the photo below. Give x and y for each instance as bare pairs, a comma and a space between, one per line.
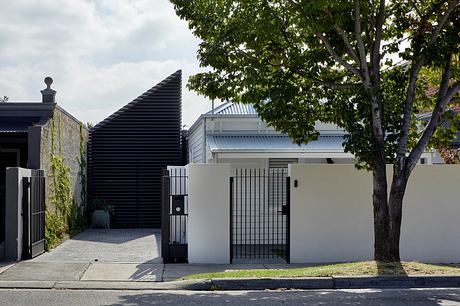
174, 215
33, 215
259, 215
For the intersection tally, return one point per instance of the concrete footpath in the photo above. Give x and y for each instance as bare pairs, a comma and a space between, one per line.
129, 259
126, 276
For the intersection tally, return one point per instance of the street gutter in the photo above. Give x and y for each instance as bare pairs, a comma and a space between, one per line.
224, 284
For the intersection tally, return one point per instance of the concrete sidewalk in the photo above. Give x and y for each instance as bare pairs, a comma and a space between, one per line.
134, 276
121, 272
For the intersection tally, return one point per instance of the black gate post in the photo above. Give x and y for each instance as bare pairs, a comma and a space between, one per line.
25, 218
165, 220
231, 220
288, 219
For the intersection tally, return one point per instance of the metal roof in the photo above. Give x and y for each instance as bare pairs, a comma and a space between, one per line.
273, 143
16, 124
231, 108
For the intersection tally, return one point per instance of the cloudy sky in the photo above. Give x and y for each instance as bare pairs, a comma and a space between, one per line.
101, 54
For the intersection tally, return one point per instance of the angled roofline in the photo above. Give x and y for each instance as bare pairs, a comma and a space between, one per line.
177, 74
39, 106
71, 116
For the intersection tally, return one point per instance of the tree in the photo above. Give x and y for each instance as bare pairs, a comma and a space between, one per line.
339, 61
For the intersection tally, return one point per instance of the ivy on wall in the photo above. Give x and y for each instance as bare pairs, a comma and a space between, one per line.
68, 218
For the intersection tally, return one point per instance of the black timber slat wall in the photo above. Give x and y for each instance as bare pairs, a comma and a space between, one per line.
128, 150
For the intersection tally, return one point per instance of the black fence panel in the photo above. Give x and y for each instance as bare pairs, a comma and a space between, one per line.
174, 215
259, 204
33, 215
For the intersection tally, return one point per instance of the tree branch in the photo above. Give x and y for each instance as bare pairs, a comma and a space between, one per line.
408, 106
348, 45
445, 96
378, 40
442, 21
340, 60
360, 44
335, 85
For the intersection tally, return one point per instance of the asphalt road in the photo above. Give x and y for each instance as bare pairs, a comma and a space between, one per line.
266, 298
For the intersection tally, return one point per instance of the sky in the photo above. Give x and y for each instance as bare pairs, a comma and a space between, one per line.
102, 54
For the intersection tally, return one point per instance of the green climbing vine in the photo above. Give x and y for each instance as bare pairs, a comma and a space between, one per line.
68, 218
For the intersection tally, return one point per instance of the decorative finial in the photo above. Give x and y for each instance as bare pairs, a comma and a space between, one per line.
48, 82
48, 94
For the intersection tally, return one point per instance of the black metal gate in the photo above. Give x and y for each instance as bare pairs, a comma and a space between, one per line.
33, 207
259, 205
174, 215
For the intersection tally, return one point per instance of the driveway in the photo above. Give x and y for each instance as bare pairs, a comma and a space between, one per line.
96, 255
109, 246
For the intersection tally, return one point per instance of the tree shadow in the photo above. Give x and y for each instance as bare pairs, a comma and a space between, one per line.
291, 297
385, 268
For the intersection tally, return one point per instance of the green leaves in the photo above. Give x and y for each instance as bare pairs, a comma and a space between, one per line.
296, 61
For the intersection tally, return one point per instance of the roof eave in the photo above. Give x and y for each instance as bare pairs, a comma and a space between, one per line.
215, 116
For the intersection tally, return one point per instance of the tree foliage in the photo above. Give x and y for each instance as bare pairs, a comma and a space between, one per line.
300, 61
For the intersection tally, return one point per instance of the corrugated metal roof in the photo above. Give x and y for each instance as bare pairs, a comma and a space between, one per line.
16, 124
273, 143
231, 108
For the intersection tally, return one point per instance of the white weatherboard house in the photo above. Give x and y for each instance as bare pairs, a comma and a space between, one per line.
234, 133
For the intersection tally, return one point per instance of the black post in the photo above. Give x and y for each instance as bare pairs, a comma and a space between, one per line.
288, 219
25, 218
165, 220
231, 219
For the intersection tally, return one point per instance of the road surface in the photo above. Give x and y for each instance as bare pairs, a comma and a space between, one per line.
265, 298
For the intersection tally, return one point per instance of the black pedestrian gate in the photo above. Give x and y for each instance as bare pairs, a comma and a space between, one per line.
174, 215
33, 207
259, 206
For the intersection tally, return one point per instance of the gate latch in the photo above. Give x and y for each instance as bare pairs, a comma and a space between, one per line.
284, 210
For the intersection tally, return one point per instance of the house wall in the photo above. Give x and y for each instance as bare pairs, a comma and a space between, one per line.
331, 214
128, 151
195, 144
67, 141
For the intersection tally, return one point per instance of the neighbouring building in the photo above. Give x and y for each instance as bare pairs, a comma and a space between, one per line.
129, 150
30, 133
234, 133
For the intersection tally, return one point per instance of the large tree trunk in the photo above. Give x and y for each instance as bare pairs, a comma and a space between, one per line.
381, 214
387, 214
398, 188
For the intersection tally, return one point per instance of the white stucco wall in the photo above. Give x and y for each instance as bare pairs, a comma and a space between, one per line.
332, 220
431, 215
209, 213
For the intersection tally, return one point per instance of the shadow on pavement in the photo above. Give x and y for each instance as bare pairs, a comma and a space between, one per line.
315, 297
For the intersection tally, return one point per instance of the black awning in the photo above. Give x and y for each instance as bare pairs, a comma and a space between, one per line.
17, 125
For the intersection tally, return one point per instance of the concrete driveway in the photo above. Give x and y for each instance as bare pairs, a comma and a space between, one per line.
110, 246
96, 255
